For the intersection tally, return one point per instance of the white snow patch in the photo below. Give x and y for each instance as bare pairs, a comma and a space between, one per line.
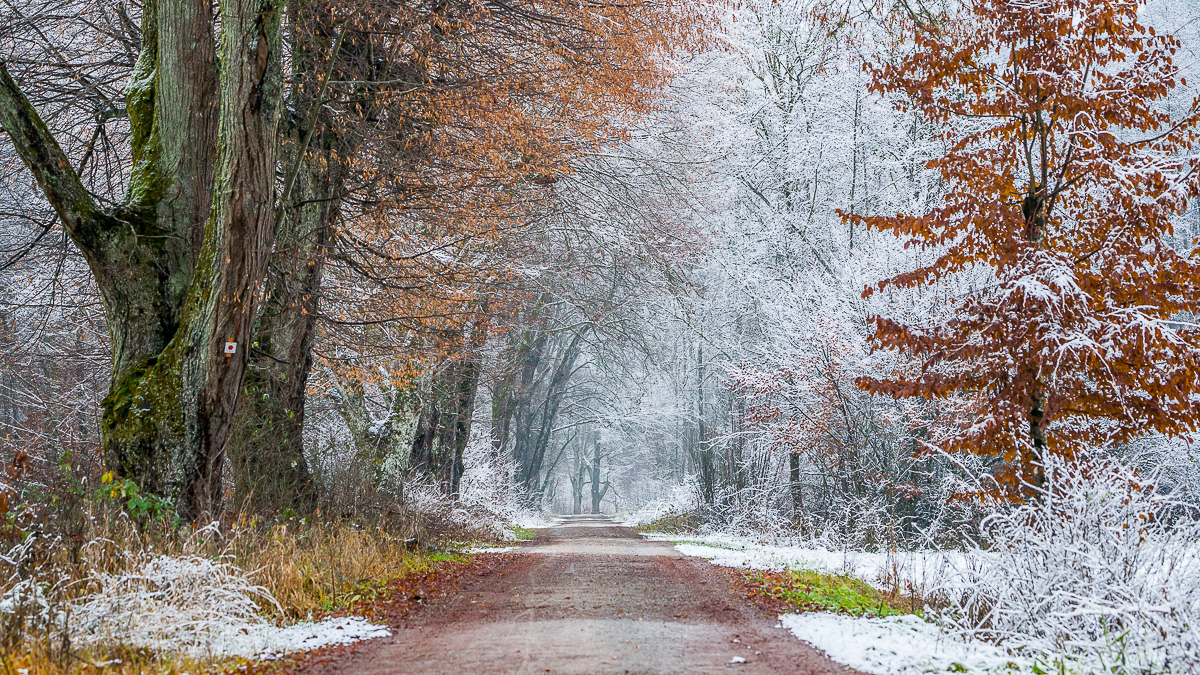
898, 645
533, 520
199, 607
491, 549
919, 570
271, 642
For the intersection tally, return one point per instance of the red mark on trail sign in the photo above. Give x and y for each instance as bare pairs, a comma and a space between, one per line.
230, 348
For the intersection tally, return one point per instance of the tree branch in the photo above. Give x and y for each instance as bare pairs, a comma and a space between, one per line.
42, 155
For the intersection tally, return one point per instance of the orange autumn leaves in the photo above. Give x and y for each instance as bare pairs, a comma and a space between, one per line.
1074, 328
493, 102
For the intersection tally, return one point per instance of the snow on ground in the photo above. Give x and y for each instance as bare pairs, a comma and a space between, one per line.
267, 642
251, 639
533, 520
491, 549
922, 570
897, 645
199, 607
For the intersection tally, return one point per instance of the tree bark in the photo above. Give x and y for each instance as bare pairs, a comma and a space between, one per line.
179, 262
266, 448
597, 491
1038, 435
796, 488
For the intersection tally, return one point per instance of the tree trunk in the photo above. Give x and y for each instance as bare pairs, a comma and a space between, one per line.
445, 422
1038, 435
178, 263
578, 478
707, 469
537, 427
796, 489
266, 449
596, 494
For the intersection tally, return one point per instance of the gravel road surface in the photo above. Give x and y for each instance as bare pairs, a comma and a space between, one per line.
588, 596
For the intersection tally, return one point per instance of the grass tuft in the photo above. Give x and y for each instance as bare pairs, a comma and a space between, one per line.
808, 591
674, 524
523, 533
311, 569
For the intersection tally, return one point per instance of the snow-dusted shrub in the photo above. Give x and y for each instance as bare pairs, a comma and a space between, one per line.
1100, 570
487, 503
197, 606
757, 508
168, 602
31, 602
487, 493
680, 500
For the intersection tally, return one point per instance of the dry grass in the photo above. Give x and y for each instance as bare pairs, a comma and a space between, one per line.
38, 659
684, 523
310, 568
313, 569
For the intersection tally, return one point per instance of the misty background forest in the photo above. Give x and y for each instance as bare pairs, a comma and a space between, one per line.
338, 282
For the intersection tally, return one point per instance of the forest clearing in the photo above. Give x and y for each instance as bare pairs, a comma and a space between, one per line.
659, 336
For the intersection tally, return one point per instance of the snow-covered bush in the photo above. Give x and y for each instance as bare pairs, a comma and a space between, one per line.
168, 602
487, 503
1100, 570
487, 493
680, 500
196, 606
31, 602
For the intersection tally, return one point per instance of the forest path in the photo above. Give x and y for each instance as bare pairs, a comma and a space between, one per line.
588, 596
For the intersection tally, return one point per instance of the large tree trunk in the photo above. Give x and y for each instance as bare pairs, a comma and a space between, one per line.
178, 264
266, 449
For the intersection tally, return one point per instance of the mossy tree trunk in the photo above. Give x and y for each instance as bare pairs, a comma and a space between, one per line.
266, 449
179, 261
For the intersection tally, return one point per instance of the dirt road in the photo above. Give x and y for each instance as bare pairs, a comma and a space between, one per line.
588, 596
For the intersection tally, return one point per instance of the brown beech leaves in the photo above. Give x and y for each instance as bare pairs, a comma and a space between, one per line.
1062, 174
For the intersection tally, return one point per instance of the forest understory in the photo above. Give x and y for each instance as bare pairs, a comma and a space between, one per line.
885, 309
